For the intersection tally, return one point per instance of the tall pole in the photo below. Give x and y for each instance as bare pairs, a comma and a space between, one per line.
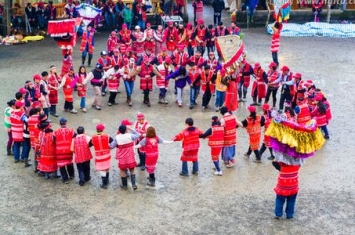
6, 17
328, 13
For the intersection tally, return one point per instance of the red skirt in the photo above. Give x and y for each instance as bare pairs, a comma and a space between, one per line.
189, 155
53, 97
150, 163
47, 163
215, 152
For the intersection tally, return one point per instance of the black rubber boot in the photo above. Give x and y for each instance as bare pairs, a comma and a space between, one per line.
27, 164
124, 183
151, 180
133, 181
83, 60
108, 177
104, 182
9, 153
89, 62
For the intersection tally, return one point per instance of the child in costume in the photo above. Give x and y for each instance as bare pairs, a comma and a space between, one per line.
215, 136
190, 144
151, 142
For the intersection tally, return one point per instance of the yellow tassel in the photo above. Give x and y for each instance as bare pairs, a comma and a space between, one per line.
303, 142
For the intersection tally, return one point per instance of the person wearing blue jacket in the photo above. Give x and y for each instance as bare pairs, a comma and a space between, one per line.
251, 6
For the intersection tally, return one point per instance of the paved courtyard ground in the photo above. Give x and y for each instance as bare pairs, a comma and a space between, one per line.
239, 202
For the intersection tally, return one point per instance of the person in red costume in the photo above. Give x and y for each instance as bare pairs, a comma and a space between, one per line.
215, 136
191, 144
200, 35
171, 36
286, 189
151, 141
258, 90
63, 138
112, 42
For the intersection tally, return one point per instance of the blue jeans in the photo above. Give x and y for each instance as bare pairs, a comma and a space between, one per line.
285, 96
274, 58
26, 148
104, 86
141, 24
129, 85
162, 92
190, 50
46, 111
194, 91
128, 24
184, 169
83, 54
228, 153
82, 102
219, 98
41, 21
325, 130
290, 205
17, 149
110, 19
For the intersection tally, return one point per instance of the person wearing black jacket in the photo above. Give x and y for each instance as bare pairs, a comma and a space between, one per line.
218, 7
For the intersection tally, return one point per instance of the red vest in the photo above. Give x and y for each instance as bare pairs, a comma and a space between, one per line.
146, 82
207, 78
230, 131
160, 81
104, 63
191, 140
113, 84
221, 31
272, 76
63, 139
254, 131
112, 43
125, 37
17, 125
34, 131
246, 68
116, 61
197, 61
66, 64
81, 149
199, 6
193, 74
188, 40
149, 34
83, 88
67, 89
141, 131
53, 93
304, 114
217, 137
275, 42
87, 40
151, 147
150, 57
102, 151
47, 161
233, 31
180, 59
200, 35
287, 182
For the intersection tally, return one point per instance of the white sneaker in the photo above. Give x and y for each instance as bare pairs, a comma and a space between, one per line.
219, 173
73, 111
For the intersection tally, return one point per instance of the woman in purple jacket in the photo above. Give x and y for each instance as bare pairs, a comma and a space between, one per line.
181, 78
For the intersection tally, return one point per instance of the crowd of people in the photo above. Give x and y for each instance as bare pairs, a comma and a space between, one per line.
156, 56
